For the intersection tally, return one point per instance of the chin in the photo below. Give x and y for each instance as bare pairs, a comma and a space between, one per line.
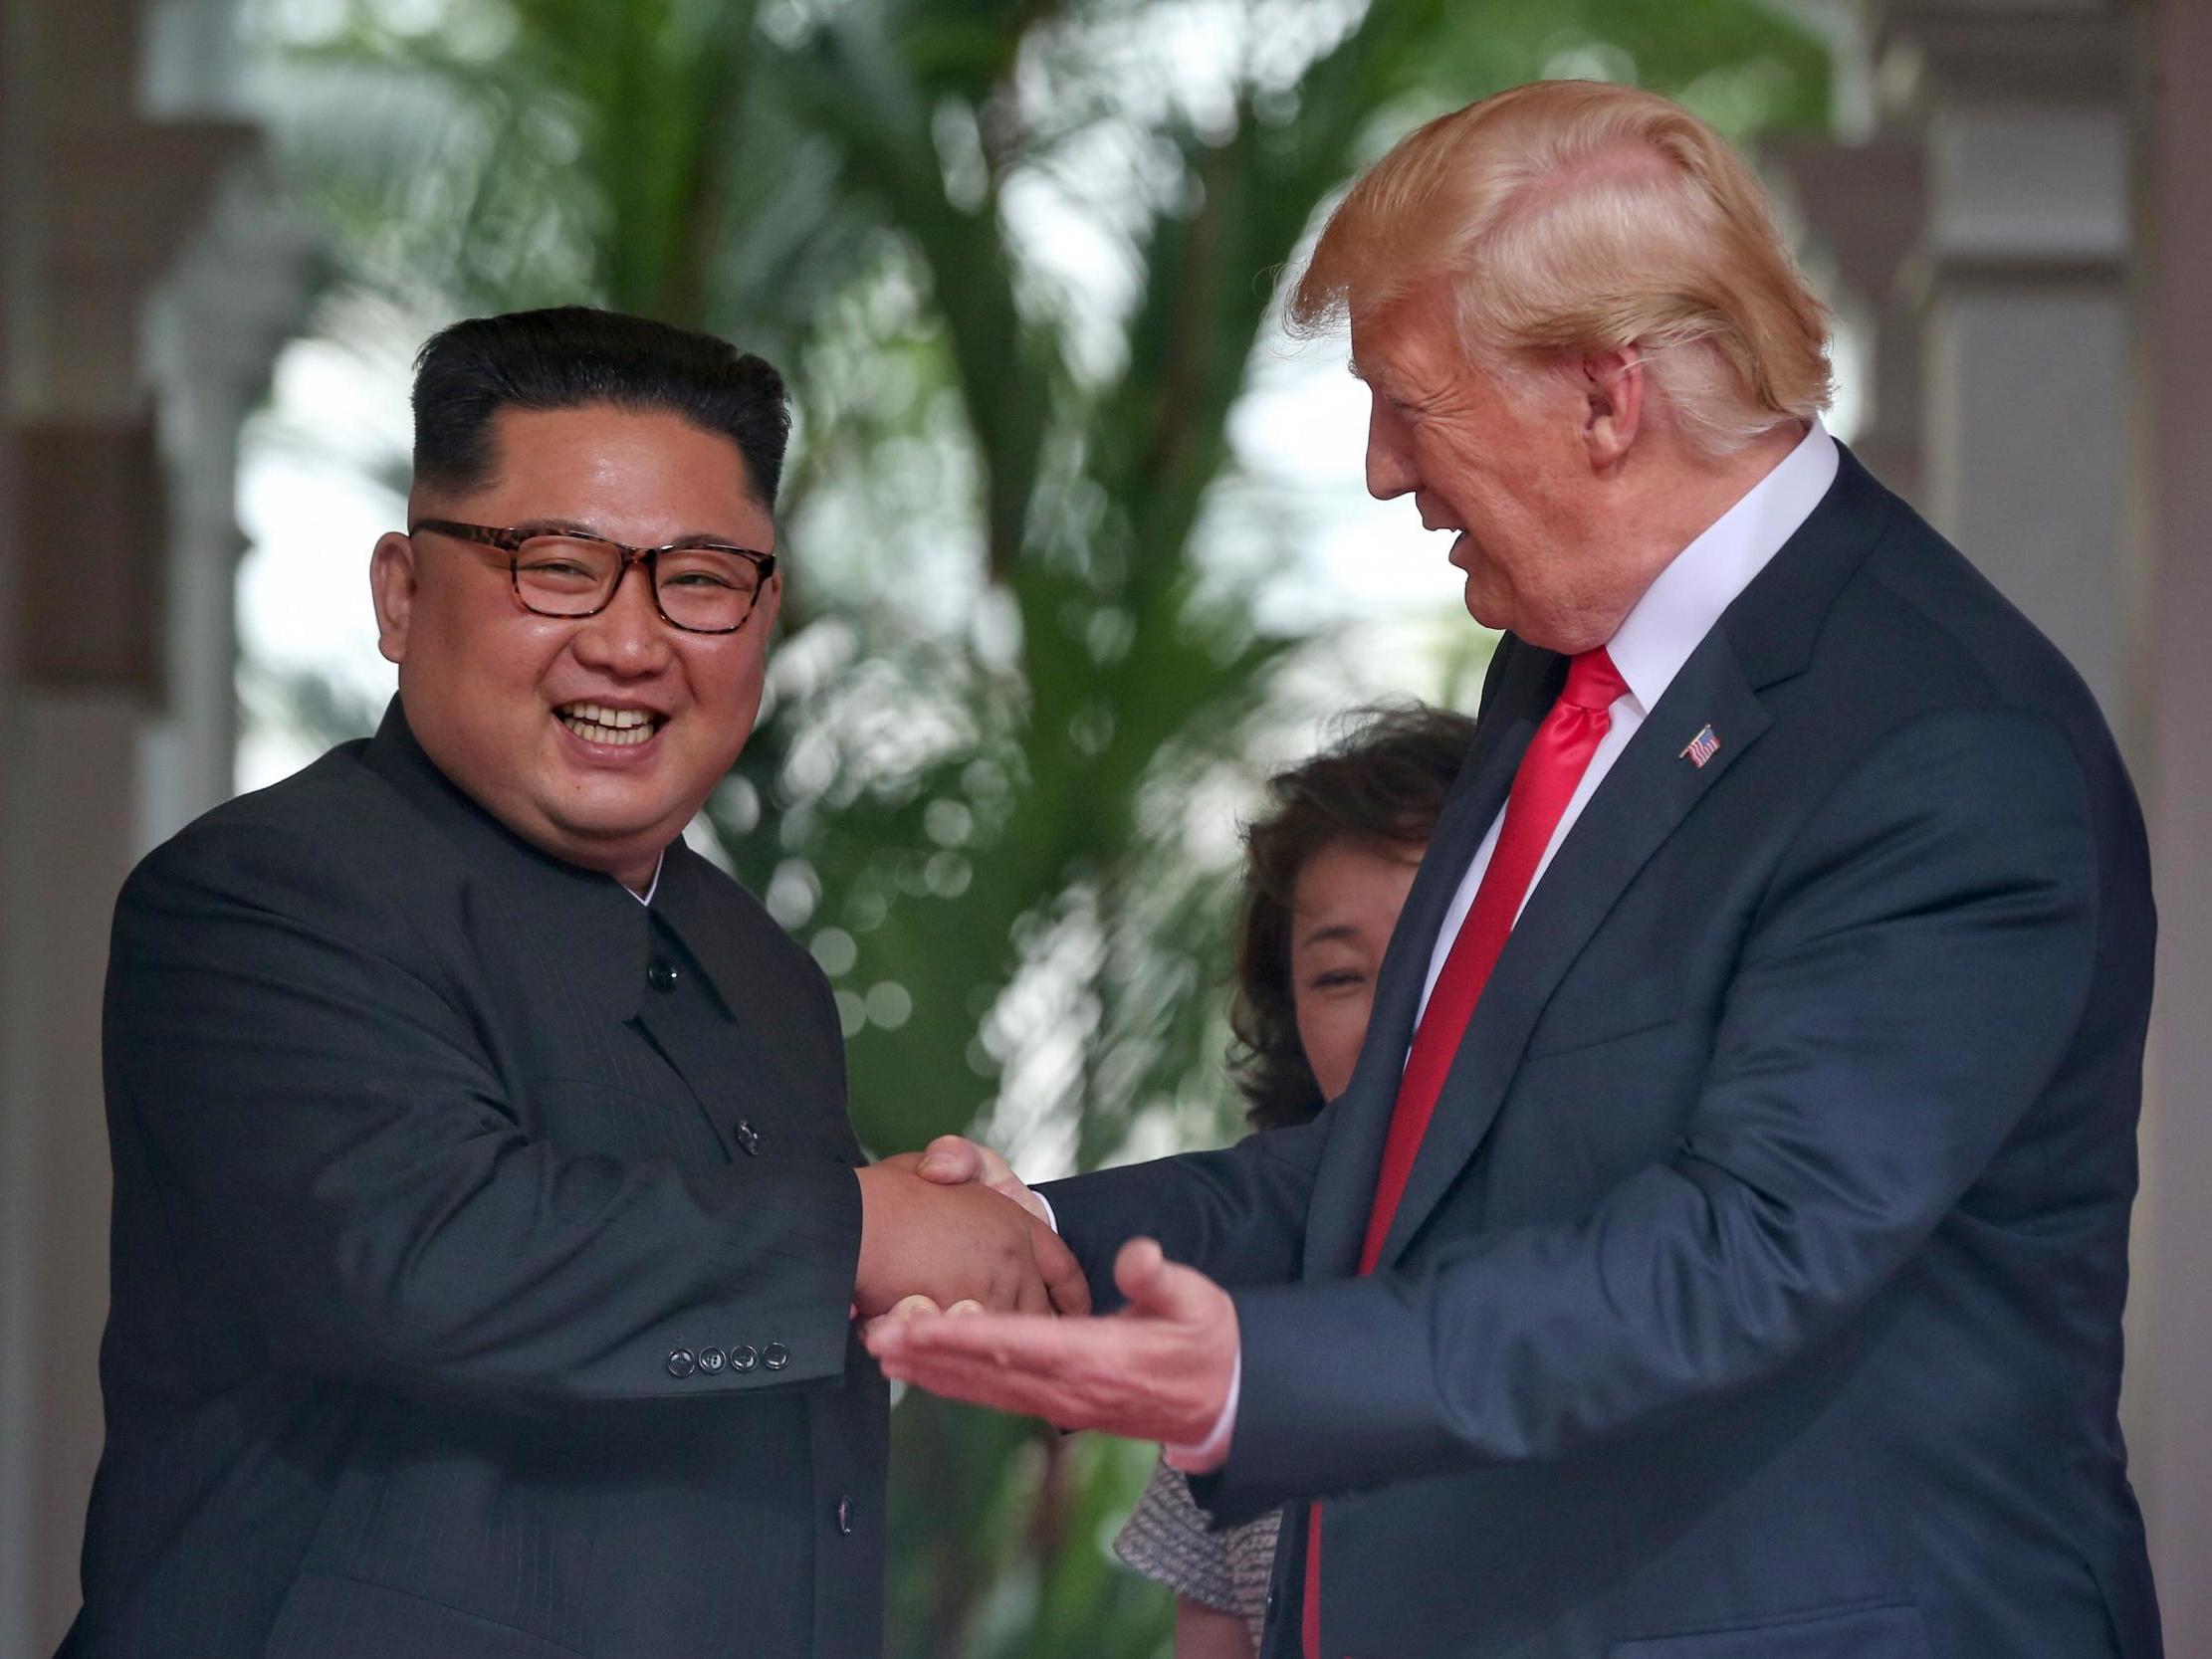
614, 826
620, 832
1487, 609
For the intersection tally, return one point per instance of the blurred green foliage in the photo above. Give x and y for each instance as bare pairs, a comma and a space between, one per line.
1011, 708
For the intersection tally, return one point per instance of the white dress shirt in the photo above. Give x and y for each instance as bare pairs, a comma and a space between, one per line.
1657, 636
653, 887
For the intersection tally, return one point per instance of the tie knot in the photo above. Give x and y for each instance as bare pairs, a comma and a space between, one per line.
1593, 681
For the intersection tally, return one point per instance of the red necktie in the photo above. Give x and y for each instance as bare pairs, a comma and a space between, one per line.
1557, 757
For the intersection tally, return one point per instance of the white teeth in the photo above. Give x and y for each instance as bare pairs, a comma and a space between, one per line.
598, 714
615, 727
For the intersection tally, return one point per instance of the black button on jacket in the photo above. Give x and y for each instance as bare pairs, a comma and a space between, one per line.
431, 1232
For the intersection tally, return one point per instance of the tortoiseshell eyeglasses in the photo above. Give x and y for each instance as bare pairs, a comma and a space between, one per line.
702, 588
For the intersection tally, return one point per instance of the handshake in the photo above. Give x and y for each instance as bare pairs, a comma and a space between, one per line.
952, 1228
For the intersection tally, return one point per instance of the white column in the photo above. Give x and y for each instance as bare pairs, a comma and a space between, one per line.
214, 328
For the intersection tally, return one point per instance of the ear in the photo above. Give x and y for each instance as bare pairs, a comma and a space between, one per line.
391, 588
1612, 384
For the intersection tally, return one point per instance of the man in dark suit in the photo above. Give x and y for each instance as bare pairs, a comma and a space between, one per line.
1720, 1247
487, 1221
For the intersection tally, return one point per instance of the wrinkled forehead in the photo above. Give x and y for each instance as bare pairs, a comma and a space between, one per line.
1416, 322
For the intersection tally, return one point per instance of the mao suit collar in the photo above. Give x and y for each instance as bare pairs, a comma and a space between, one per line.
592, 922
603, 940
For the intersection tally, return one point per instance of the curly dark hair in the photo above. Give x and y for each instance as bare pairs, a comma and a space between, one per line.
1382, 783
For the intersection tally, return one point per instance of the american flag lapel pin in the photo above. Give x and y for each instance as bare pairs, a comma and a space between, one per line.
1700, 748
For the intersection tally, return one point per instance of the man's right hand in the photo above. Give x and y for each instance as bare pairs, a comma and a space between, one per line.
954, 1243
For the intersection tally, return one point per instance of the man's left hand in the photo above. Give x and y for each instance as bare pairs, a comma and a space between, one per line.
1158, 1369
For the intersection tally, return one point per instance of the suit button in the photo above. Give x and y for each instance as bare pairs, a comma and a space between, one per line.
681, 1363
710, 1360
743, 1359
660, 974
775, 1357
749, 1138
844, 1517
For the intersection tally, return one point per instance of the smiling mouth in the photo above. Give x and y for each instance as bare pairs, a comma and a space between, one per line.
595, 722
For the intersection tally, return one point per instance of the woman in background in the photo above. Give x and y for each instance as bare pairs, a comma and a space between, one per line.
1326, 873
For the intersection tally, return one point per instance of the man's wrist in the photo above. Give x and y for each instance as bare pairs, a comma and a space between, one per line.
1211, 1452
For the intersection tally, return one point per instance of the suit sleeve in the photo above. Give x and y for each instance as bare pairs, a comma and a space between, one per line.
325, 1116
1909, 988
1237, 1215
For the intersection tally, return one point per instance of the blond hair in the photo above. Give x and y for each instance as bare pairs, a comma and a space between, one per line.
1580, 215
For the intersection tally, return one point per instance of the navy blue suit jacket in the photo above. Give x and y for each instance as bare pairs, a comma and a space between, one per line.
1757, 1289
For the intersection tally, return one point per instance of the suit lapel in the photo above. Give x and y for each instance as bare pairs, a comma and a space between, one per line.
1765, 637
1644, 799
1360, 1120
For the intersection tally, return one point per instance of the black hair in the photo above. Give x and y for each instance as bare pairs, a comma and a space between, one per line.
570, 356
1382, 784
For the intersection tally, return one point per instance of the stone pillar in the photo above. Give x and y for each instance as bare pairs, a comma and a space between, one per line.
2023, 274
101, 628
2063, 339
2046, 162
215, 327
1860, 204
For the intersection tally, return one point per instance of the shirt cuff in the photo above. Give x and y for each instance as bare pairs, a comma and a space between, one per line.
1211, 1452
1052, 1216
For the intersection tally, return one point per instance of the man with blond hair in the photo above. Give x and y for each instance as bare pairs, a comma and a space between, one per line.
1719, 1249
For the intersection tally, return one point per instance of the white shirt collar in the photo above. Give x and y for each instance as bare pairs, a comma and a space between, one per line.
1679, 608
653, 887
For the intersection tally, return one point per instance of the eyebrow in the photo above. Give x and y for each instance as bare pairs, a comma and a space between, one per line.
573, 527
1339, 930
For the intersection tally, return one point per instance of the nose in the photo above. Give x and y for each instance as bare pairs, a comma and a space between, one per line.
629, 639
1390, 464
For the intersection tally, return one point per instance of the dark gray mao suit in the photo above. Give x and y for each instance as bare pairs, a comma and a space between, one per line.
483, 1249
1756, 1293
